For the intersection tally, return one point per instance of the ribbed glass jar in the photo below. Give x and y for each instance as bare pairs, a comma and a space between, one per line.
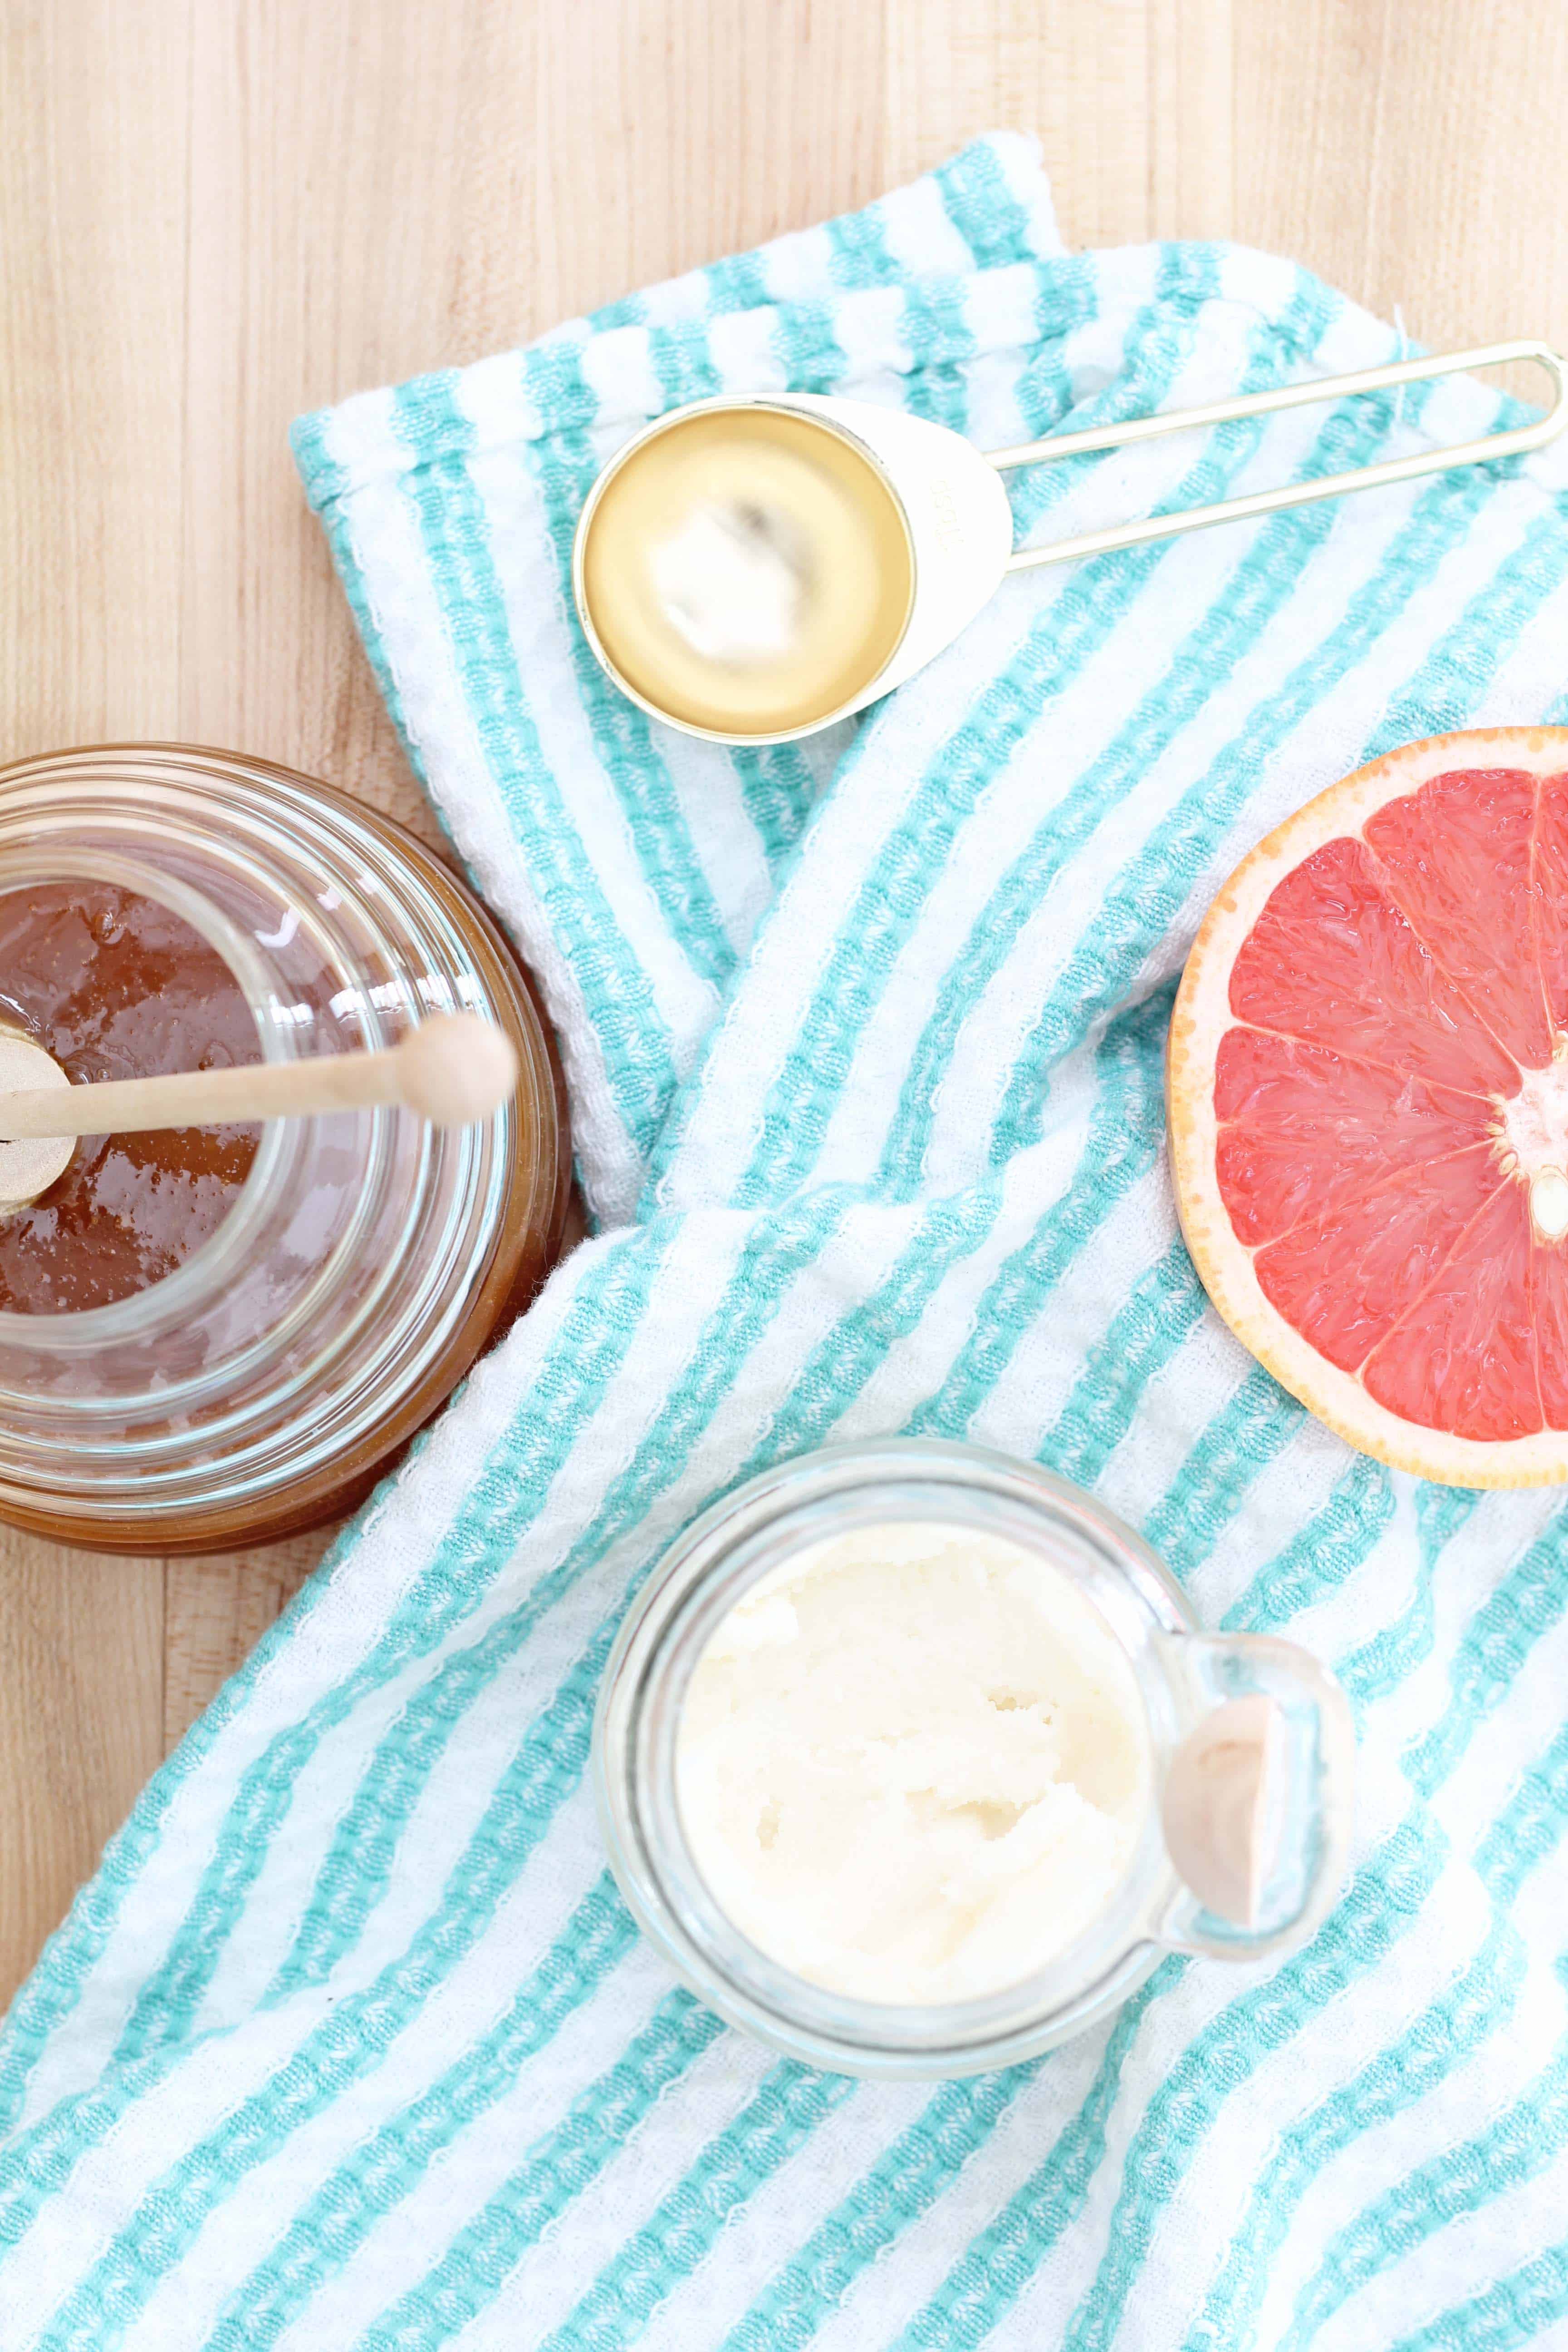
265, 1384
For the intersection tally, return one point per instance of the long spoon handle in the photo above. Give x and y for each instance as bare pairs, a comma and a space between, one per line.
453, 1069
1511, 443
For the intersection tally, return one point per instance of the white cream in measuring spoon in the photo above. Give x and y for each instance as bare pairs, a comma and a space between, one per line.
912, 1764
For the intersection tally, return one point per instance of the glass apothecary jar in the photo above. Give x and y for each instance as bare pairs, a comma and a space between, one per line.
267, 1381
1184, 1680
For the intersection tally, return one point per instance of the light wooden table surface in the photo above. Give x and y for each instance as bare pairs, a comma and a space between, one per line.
217, 213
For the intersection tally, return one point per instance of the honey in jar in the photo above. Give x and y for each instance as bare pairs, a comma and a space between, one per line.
112, 985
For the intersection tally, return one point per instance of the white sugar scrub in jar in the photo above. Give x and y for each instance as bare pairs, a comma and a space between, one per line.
913, 1763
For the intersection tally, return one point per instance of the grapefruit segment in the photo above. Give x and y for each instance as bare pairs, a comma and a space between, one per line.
1463, 1358
1335, 961
1456, 857
1551, 894
1548, 1280
1345, 1280
1368, 1090
1303, 1130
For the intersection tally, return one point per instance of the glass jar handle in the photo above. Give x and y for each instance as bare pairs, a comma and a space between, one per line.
1255, 1808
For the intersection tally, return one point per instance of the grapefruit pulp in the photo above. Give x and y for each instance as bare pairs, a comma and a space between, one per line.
1368, 1096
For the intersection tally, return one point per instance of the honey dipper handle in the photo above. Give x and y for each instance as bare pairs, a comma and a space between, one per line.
453, 1069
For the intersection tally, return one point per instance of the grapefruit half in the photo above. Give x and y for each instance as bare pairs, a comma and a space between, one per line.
1368, 1094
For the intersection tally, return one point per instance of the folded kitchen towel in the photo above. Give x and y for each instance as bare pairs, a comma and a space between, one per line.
351, 2041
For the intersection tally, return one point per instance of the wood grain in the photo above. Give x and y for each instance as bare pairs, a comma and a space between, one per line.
217, 213
81, 1722
1401, 150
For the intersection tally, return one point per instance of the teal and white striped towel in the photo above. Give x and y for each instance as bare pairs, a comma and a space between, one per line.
351, 2041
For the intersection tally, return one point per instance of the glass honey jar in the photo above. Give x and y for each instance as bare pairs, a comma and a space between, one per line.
210, 1338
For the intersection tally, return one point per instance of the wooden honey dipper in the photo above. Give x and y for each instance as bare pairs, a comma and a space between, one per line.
452, 1069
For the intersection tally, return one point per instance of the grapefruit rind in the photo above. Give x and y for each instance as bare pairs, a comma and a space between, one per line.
1200, 1019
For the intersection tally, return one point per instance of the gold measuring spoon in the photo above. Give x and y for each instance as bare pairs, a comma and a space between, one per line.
751, 571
